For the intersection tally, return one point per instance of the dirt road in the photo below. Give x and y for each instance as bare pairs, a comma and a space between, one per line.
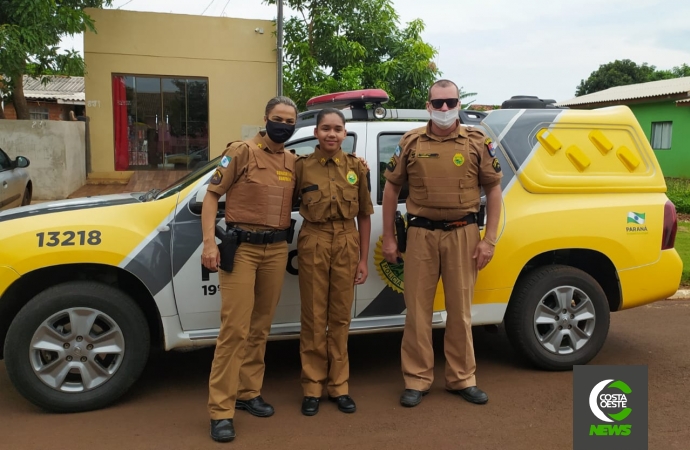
528, 409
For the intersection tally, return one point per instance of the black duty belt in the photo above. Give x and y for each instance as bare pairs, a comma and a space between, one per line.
446, 225
258, 237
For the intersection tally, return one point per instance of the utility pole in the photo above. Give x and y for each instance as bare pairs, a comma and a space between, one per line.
279, 77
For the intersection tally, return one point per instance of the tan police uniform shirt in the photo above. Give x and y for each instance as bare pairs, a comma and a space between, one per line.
332, 188
259, 183
444, 173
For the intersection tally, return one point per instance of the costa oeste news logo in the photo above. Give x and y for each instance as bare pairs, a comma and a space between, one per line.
603, 403
610, 407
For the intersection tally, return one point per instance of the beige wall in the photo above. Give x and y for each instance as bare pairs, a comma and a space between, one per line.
55, 150
240, 65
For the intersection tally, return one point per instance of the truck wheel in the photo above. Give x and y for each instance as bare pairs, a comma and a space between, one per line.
77, 346
558, 317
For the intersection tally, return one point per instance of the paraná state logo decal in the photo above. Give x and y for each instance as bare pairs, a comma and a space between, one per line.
391, 274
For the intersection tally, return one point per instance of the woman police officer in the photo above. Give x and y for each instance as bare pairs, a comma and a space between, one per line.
332, 254
257, 177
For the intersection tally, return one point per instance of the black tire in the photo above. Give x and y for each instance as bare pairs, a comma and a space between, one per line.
26, 199
80, 294
520, 320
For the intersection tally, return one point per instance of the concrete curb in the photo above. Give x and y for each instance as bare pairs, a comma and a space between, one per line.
681, 294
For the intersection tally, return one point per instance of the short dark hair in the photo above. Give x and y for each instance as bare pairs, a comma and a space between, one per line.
324, 112
444, 83
280, 100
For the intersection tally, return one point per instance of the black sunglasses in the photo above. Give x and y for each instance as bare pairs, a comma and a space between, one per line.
438, 103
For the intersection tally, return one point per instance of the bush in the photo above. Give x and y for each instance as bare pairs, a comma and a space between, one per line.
679, 193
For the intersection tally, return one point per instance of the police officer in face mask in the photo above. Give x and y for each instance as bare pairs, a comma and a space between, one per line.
258, 178
445, 165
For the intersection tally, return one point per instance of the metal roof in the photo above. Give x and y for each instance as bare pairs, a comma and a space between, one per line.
633, 91
683, 102
61, 88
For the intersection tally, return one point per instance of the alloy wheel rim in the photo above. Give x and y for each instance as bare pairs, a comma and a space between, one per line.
77, 350
564, 320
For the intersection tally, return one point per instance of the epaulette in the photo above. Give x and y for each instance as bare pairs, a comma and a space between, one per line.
236, 143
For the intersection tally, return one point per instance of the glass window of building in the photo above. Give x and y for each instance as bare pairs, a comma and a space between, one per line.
160, 123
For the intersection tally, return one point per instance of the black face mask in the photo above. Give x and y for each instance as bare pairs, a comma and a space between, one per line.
279, 132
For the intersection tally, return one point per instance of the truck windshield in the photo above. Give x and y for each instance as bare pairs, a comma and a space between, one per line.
188, 179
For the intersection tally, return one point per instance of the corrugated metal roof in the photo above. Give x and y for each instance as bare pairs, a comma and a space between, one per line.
633, 91
684, 102
57, 88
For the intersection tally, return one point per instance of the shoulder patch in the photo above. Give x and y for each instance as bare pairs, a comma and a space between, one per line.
491, 147
496, 165
217, 177
391, 164
225, 162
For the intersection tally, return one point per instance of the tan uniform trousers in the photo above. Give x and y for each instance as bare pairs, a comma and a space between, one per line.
249, 296
430, 254
328, 255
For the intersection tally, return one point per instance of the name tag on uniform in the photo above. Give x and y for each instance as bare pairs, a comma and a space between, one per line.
427, 155
313, 187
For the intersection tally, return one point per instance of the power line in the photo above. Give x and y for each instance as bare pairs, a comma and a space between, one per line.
226, 5
130, 1
209, 5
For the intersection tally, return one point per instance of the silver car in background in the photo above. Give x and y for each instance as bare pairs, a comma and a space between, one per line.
15, 182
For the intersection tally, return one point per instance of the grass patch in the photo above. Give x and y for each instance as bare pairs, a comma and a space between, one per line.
679, 193
683, 248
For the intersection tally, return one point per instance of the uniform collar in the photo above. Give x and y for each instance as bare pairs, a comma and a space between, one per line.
322, 157
260, 141
460, 131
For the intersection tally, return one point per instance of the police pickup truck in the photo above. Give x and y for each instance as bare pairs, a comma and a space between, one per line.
89, 286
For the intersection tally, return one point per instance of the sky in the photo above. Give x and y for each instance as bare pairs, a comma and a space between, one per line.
501, 48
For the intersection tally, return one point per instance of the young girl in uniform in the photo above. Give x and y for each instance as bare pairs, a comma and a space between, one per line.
332, 254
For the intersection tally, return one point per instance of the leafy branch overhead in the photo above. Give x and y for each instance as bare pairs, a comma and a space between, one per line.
340, 45
30, 34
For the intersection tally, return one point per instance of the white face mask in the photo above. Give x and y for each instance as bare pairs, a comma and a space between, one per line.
444, 119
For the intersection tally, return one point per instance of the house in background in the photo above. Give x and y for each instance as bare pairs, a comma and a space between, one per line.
52, 100
663, 110
167, 92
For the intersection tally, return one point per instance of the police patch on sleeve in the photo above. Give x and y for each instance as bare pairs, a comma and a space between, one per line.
217, 177
491, 146
496, 165
391, 164
225, 161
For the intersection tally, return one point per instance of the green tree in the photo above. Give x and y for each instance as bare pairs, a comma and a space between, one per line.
677, 72
30, 33
69, 64
624, 72
341, 45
